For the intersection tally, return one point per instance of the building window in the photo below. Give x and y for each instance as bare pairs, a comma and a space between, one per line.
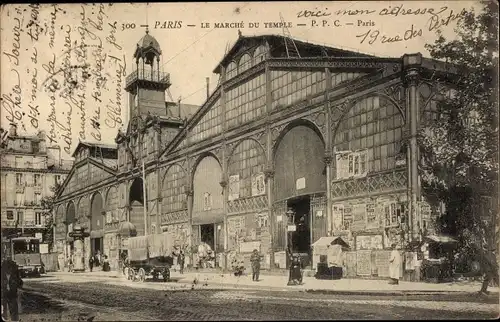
394, 214
209, 125
38, 180
10, 215
153, 229
245, 63
38, 218
57, 179
246, 101
289, 87
373, 124
19, 198
38, 198
35, 146
20, 217
245, 168
19, 179
19, 162
174, 196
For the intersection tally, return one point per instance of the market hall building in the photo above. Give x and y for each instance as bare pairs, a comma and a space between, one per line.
293, 131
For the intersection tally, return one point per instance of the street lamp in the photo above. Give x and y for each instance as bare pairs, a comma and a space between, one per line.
290, 214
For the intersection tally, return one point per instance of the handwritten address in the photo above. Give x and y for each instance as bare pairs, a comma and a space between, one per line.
75, 72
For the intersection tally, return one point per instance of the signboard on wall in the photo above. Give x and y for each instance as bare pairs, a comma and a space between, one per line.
337, 216
369, 242
234, 187
364, 262
382, 262
207, 201
300, 184
258, 184
371, 216
358, 215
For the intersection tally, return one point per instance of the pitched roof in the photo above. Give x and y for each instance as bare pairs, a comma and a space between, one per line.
93, 144
305, 48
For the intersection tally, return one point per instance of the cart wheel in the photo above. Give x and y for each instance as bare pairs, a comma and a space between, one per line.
142, 274
131, 274
166, 275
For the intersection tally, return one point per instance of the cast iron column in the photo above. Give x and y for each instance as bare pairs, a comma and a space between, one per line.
411, 64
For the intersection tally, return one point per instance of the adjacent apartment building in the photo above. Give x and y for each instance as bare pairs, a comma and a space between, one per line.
29, 172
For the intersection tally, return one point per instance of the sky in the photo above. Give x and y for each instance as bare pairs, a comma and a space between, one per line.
63, 66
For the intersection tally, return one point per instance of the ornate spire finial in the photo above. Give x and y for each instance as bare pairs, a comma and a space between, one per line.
239, 33
147, 29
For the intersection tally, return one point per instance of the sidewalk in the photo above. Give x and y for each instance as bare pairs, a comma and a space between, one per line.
346, 286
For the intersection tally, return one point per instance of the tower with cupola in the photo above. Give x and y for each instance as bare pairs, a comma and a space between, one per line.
147, 83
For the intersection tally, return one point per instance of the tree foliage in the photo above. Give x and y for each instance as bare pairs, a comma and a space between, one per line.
48, 203
459, 150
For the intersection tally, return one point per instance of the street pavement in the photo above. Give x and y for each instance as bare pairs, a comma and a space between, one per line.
99, 297
310, 284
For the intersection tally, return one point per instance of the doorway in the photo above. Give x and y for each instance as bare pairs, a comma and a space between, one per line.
207, 233
96, 245
300, 239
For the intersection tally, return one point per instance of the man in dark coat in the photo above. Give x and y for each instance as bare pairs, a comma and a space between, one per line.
91, 262
11, 282
255, 260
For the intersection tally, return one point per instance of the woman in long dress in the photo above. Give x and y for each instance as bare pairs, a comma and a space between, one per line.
394, 265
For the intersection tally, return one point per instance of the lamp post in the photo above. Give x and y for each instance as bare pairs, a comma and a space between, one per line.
290, 214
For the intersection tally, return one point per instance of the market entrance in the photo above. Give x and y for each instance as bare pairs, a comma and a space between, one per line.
207, 233
299, 183
300, 239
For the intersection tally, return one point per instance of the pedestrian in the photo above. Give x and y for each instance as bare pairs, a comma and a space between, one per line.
295, 274
97, 259
394, 265
11, 282
91, 262
255, 260
180, 261
105, 264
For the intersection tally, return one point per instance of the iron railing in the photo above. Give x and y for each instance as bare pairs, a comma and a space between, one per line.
148, 75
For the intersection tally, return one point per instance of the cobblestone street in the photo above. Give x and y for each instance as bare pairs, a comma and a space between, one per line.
84, 299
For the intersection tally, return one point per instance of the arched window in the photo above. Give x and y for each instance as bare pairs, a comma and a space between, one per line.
232, 70
245, 63
259, 54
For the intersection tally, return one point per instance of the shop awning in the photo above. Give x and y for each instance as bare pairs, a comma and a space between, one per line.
440, 239
332, 240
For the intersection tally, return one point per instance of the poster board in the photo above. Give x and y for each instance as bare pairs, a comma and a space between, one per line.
351, 264
258, 184
364, 263
382, 262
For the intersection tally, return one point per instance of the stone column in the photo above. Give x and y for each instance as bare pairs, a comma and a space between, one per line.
411, 66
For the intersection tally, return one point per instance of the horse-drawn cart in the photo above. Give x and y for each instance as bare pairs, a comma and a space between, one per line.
149, 256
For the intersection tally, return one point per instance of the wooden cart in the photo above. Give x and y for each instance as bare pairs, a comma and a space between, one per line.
149, 256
